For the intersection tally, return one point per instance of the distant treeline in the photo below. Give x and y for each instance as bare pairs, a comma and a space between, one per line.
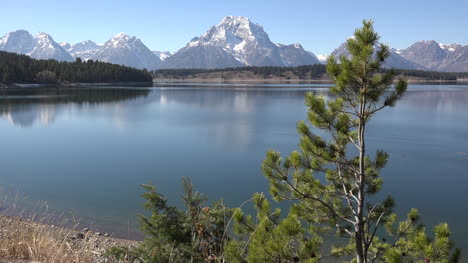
433, 75
316, 70
303, 72
16, 68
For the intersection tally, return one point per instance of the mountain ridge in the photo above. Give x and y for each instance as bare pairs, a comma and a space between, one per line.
239, 38
234, 42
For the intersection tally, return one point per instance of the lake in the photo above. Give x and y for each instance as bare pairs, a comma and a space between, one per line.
85, 151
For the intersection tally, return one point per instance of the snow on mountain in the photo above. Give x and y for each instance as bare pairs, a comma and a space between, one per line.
456, 61
65, 45
428, 54
19, 41
84, 50
233, 39
439, 57
201, 57
41, 46
295, 55
47, 48
393, 61
449, 47
233, 42
127, 50
163, 55
397, 50
322, 58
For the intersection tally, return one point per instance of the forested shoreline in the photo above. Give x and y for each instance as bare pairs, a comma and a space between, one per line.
306, 72
15, 68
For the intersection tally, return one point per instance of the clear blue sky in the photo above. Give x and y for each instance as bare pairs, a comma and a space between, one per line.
320, 26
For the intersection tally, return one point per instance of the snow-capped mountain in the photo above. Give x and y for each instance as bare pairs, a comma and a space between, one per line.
322, 58
295, 55
449, 47
163, 55
235, 41
428, 54
201, 57
19, 41
65, 45
41, 46
397, 50
393, 61
436, 56
84, 50
47, 48
456, 60
126, 50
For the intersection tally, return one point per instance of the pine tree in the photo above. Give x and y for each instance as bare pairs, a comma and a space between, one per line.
332, 179
270, 238
196, 234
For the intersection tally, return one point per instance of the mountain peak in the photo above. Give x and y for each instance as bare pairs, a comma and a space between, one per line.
121, 39
126, 50
43, 35
233, 32
122, 36
240, 26
237, 41
394, 60
65, 45
449, 47
21, 31
234, 20
84, 49
19, 41
87, 42
297, 45
427, 42
322, 58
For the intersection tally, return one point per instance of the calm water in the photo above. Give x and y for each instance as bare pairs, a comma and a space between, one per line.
86, 151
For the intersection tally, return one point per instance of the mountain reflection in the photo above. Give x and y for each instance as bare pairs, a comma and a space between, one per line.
25, 115
227, 116
25, 107
447, 100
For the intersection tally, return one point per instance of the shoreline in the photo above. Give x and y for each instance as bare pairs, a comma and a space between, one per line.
208, 81
288, 81
78, 84
87, 243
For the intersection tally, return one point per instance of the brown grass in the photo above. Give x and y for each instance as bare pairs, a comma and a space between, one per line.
48, 237
40, 244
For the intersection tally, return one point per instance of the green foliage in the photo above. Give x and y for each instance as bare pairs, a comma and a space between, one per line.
331, 179
331, 185
412, 244
16, 68
307, 72
197, 234
270, 238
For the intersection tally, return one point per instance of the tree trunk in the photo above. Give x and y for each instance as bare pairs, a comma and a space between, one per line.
359, 226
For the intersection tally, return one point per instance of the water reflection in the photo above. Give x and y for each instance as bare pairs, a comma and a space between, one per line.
26, 115
25, 107
445, 100
107, 141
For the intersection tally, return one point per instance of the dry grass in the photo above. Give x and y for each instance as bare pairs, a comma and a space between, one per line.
25, 241
48, 237
39, 245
